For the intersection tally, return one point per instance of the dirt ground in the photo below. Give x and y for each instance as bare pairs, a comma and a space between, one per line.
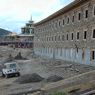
43, 67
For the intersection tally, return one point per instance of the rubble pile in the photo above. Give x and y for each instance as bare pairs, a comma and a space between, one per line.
28, 78
54, 78
19, 57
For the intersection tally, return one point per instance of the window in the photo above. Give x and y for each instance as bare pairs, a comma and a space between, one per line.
62, 37
85, 34
57, 51
67, 36
52, 38
68, 20
56, 25
72, 36
47, 38
79, 16
59, 23
93, 55
83, 54
86, 13
60, 51
55, 38
51, 50
73, 18
59, 38
77, 35
93, 34
63, 22
94, 10
12, 65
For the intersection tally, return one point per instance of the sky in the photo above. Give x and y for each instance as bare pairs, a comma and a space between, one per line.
15, 13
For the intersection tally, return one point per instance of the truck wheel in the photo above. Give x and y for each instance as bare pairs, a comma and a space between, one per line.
17, 75
3, 75
6, 76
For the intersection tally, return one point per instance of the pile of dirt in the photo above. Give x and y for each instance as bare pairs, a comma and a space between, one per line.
10, 58
28, 78
54, 78
19, 57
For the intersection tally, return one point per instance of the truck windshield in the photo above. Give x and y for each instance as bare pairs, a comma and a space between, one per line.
12, 65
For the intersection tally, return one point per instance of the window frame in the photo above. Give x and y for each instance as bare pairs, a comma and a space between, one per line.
59, 38
68, 20
92, 52
77, 36
59, 23
93, 10
71, 36
79, 12
92, 34
84, 34
63, 37
73, 18
67, 37
63, 20
86, 14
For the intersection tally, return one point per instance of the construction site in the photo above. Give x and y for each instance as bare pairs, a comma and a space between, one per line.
55, 56
50, 76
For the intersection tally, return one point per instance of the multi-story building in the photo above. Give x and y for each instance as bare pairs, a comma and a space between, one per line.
27, 34
28, 29
68, 34
23, 40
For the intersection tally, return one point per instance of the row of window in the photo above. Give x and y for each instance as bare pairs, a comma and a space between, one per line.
66, 37
66, 20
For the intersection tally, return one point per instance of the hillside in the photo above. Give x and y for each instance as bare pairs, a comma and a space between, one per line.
4, 32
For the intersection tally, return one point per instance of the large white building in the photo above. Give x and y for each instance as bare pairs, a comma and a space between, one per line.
68, 34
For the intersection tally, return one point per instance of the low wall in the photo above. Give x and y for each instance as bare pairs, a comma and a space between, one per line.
60, 85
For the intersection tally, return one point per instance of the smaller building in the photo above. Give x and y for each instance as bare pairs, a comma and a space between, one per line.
27, 34
28, 29
23, 40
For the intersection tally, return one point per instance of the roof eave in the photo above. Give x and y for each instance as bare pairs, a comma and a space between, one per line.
61, 11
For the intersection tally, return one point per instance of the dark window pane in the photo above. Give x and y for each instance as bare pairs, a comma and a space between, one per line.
78, 35
86, 14
94, 10
63, 22
79, 16
59, 23
94, 33
62, 37
58, 38
93, 55
85, 34
55, 38
72, 36
67, 36
68, 20
73, 19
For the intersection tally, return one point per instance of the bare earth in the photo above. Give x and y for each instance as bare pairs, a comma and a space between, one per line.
43, 67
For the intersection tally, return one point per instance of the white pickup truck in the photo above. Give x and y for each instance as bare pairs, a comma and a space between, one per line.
11, 69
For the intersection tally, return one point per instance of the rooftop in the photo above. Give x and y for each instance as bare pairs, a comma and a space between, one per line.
65, 9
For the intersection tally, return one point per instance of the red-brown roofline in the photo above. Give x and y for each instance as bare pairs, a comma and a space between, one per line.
67, 8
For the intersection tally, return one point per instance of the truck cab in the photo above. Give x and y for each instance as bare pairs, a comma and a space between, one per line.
10, 69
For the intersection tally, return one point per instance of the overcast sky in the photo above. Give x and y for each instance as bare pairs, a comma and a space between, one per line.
15, 13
